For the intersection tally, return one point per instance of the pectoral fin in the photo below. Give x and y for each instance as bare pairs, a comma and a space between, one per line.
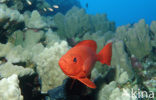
87, 82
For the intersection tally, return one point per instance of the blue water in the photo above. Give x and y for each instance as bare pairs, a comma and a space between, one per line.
123, 11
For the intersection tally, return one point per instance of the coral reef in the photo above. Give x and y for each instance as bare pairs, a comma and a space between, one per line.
41, 5
9, 69
123, 78
32, 38
103, 94
111, 91
151, 84
77, 18
10, 88
35, 21
51, 37
136, 37
120, 59
47, 65
118, 94
80, 23
153, 29
10, 21
101, 23
5, 48
31, 44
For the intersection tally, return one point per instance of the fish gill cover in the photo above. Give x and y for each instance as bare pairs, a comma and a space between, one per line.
34, 34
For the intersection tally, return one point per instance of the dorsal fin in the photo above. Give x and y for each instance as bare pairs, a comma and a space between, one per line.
88, 43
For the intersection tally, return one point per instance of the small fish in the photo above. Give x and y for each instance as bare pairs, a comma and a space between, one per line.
29, 2
86, 5
50, 9
56, 6
79, 61
45, 9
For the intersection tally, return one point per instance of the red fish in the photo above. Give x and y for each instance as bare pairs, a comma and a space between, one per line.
79, 61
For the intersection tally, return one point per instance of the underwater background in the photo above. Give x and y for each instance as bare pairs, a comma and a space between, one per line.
123, 11
34, 34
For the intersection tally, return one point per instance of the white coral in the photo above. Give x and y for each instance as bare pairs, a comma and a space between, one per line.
35, 21
123, 78
5, 48
17, 54
106, 91
9, 88
118, 94
13, 15
47, 65
8, 69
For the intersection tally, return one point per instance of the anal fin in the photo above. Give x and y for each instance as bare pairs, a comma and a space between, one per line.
87, 82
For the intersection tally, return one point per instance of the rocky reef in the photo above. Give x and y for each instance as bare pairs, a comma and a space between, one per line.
31, 44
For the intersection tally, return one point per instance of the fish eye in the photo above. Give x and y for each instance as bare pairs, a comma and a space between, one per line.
75, 59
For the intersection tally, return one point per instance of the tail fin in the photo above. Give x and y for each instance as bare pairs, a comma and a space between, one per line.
105, 55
